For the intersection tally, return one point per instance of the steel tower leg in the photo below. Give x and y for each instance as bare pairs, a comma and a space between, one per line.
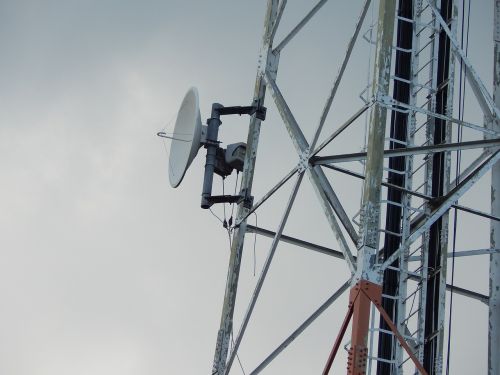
267, 61
370, 210
494, 301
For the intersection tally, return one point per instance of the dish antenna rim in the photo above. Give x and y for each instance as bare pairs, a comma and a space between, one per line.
188, 128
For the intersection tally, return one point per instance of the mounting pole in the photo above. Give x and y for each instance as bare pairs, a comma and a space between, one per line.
494, 300
211, 145
267, 62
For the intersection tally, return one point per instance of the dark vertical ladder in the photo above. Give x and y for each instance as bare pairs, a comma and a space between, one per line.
434, 266
399, 121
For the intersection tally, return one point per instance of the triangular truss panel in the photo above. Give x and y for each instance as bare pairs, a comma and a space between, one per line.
388, 171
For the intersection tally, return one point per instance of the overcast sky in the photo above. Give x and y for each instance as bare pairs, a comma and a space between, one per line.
104, 268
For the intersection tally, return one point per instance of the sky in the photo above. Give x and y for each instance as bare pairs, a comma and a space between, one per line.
104, 268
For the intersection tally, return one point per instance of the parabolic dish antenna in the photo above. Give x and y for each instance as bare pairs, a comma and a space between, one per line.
187, 137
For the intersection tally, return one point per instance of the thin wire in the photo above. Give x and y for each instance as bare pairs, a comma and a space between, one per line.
412, 303
164, 131
165, 146
213, 213
224, 204
254, 245
237, 356
461, 104
169, 122
229, 231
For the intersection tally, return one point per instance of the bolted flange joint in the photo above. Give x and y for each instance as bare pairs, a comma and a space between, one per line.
303, 164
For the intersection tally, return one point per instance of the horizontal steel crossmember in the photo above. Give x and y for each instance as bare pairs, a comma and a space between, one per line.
445, 203
485, 143
416, 194
337, 254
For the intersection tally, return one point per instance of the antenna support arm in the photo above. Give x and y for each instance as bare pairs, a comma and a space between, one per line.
212, 144
258, 110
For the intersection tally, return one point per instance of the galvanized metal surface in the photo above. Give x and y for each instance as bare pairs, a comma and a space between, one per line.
337, 254
302, 327
414, 193
446, 189
416, 221
263, 273
370, 210
470, 145
494, 274
341, 128
267, 61
485, 100
266, 196
296, 241
446, 203
340, 74
300, 25
301, 147
402, 107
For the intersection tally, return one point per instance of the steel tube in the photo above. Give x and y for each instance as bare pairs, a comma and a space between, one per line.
302, 148
300, 25
484, 99
337, 254
340, 129
226, 322
211, 146
301, 328
446, 203
370, 209
340, 73
267, 195
343, 158
296, 242
494, 272
263, 274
